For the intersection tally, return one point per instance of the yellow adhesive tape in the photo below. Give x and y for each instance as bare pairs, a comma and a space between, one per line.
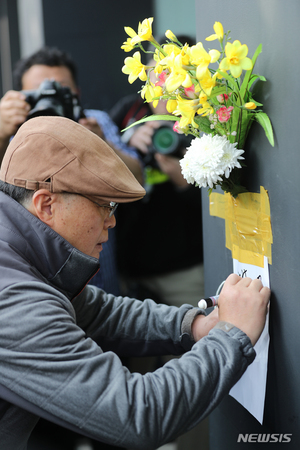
247, 225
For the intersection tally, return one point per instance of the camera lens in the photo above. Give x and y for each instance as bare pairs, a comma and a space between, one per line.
165, 140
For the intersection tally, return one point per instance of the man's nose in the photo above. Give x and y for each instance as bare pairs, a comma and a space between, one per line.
110, 222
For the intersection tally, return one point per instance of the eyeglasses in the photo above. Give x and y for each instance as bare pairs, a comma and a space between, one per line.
112, 205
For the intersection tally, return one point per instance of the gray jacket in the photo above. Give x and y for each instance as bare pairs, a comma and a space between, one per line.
60, 343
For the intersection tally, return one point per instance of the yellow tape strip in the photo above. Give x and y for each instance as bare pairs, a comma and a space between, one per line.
247, 225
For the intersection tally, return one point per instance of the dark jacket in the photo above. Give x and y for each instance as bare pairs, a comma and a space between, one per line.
59, 342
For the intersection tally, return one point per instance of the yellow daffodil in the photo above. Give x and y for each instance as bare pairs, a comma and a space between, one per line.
134, 68
236, 59
158, 92
200, 58
130, 31
250, 105
144, 31
170, 35
171, 105
187, 110
208, 82
205, 109
179, 76
150, 92
127, 45
219, 32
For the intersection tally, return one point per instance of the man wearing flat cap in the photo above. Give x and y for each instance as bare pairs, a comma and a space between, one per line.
61, 339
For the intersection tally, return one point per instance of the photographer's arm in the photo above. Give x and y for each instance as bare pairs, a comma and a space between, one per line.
13, 112
170, 165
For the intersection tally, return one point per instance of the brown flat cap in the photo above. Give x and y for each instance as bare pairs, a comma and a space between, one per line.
61, 155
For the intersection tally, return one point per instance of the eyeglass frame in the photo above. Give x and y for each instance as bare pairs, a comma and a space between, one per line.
112, 205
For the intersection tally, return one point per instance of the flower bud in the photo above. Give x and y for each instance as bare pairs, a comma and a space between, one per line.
250, 105
170, 35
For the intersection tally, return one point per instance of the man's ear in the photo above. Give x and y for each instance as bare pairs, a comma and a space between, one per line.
42, 206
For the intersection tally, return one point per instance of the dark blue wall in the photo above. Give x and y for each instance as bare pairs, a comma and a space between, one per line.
274, 23
92, 31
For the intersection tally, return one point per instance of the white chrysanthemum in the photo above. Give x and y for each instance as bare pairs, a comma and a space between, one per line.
208, 159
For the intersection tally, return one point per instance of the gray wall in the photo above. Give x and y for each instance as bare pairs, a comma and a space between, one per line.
274, 23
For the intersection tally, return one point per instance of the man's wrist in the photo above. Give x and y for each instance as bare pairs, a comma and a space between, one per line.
187, 323
225, 326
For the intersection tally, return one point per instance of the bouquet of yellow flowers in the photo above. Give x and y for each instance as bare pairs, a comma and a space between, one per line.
214, 105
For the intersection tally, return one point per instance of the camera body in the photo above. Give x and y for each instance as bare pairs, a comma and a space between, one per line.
52, 99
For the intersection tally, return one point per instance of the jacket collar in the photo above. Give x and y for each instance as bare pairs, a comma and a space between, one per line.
62, 265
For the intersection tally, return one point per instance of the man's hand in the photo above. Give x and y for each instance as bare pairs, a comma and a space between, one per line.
142, 138
91, 124
203, 324
243, 302
13, 112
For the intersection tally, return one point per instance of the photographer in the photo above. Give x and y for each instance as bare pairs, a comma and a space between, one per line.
30, 73
54, 64
163, 247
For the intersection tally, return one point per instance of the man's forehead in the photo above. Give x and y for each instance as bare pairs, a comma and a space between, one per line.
37, 73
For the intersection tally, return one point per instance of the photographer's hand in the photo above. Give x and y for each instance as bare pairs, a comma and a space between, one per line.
13, 112
142, 138
91, 124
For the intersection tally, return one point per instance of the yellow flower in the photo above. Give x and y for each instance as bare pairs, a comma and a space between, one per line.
236, 59
150, 91
171, 105
158, 92
179, 76
131, 33
208, 82
219, 33
144, 31
170, 35
200, 58
127, 45
205, 109
187, 110
250, 105
163, 61
134, 68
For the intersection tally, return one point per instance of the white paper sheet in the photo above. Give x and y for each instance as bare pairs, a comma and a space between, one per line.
250, 390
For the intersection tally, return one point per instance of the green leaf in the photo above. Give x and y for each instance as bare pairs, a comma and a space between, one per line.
249, 72
151, 118
254, 78
204, 124
265, 122
230, 79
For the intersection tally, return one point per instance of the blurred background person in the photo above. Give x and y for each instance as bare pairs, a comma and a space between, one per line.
161, 259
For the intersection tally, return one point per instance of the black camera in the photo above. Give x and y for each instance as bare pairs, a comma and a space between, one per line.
52, 99
167, 142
